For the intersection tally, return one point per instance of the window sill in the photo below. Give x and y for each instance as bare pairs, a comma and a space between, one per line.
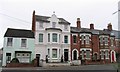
54, 58
23, 47
9, 46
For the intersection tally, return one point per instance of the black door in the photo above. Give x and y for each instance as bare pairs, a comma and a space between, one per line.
65, 55
38, 59
75, 55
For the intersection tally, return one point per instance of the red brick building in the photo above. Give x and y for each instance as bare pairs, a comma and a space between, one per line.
91, 44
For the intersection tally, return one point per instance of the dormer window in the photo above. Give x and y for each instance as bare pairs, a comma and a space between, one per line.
53, 24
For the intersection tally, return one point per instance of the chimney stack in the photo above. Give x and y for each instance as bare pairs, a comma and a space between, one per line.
109, 26
33, 21
78, 23
91, 26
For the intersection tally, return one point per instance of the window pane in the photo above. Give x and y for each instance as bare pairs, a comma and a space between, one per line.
101, 40
106, 40
106, 54
102, 54
87, 54
23, 42
82, 54
54, 37
74, 38
40, 37
65, 39
54, 53
87, 39
9, 41
112, 40
48, 37
82, 39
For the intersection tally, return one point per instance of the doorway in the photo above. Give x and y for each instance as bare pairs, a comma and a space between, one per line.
95, 56
65, 55
75, 55
38, 59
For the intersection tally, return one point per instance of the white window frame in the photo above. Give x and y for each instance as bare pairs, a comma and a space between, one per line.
89, 54
9, 43
24, 45
82, 39
75, 39
40, 38
66, 39
101, 40
102, 54
53, 52
106, 54
106, 40
54, 38
87, 39
48, 37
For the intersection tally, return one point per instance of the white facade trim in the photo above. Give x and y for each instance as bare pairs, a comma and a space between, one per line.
85, 49
73, 53
114, 55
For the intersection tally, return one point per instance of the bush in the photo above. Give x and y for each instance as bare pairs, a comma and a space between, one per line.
14, 60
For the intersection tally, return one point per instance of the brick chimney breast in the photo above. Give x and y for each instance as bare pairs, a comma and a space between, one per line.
78, 23
91, 26
109, 26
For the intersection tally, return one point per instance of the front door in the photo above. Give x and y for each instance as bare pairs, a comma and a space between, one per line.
38, 59
65, 55
95, 57
113, 59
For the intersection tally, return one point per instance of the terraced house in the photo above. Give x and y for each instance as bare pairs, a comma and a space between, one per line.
18, 43
91, 44
52, 38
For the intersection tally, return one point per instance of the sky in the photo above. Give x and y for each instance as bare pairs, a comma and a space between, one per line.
18, 13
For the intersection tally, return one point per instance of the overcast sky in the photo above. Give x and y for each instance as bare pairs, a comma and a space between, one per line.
18, 13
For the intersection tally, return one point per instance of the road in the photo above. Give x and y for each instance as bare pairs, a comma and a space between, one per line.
84, 68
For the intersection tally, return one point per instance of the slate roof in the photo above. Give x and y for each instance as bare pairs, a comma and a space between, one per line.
22, 33
95, 31
45, 19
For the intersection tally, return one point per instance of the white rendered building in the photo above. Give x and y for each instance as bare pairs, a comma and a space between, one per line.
52, 38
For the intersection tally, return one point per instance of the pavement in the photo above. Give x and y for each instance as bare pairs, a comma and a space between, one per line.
54, 67
81, 67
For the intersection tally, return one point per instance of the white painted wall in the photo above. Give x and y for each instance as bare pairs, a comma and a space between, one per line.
41, 48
